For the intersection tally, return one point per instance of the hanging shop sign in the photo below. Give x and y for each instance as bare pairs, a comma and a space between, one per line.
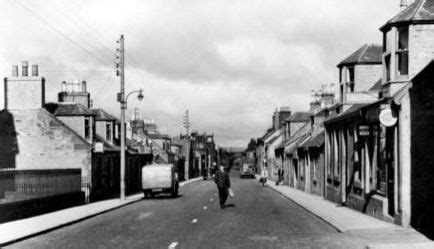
99, 147
364, 130
387, 117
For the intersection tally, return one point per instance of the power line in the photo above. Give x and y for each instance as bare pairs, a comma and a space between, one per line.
60, 32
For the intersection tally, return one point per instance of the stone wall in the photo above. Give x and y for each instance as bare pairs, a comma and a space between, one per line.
365, 76
421, 50
74, 122
35, 139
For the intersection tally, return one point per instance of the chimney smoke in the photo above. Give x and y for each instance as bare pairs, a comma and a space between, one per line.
25, 69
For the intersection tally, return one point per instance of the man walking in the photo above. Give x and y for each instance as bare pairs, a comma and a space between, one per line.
223, 185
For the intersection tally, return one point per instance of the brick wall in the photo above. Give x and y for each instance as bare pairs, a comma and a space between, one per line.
365, 76
421, 47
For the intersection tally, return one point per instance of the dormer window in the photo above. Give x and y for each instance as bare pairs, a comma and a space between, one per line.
108, 131
351, 78
87, 127
402, 52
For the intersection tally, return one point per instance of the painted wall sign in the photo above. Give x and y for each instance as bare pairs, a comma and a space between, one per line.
387, 118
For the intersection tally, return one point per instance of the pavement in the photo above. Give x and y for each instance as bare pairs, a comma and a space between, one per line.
11, 232
256, 217
346, 220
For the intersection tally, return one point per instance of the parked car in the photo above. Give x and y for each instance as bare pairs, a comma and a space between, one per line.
159, 178
247, 171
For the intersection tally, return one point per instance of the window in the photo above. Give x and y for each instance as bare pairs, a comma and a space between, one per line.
387, 66
402, 52
108, 131
87, 128
351, 79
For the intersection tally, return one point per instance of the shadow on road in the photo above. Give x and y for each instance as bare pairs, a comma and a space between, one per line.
163, 197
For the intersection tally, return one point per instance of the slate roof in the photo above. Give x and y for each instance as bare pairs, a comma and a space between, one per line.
367, 54
70, 109
299, 117
101, 115
376, 87
420, 11
315, 141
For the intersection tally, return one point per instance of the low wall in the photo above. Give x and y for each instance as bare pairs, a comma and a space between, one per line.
28, 208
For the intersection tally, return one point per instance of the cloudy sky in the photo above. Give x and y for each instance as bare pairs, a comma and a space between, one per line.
230, 63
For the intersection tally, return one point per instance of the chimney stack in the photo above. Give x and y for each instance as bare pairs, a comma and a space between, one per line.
15, 71
83, 86
35, 70
25, 69
404, 4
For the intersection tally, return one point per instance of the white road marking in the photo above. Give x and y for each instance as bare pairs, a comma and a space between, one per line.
205, 208
194, 221
215, 194
267, 238
211, 200
173, 245
144, 215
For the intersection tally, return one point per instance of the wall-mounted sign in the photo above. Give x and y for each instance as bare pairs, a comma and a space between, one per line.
364, 130
99, 147
387, 117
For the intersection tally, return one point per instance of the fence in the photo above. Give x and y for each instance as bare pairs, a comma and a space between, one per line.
18, 185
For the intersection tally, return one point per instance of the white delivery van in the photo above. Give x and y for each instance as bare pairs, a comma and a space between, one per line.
159, 178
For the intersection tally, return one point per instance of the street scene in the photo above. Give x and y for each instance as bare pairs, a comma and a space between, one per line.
217, 124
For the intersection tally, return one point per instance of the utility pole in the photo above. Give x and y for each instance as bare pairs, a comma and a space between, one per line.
186, 123
121, 99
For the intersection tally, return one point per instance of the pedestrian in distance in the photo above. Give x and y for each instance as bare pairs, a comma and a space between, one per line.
280, 173
223, 184
264, 176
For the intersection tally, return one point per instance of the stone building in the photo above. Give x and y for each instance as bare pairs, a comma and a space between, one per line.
42, 160
378, 154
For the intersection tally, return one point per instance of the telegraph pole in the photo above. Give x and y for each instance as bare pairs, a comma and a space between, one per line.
121, 99
187, 160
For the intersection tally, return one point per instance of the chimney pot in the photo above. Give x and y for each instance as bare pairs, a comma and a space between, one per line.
15, 71
64, 86
25, 69
83, 86
403, 4
35, 70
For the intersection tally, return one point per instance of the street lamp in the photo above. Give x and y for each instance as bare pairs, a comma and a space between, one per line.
123, 100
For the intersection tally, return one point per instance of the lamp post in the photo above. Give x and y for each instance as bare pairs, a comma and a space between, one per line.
123, 100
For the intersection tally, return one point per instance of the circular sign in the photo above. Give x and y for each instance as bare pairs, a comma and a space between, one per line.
387, 118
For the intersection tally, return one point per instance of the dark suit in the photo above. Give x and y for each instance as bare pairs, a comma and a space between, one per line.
223, 185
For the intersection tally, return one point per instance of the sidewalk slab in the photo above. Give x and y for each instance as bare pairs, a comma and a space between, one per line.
20, 229
340, 217
190, 181
361, 227
11, 232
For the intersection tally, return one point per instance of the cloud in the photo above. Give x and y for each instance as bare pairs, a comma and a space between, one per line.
229, 62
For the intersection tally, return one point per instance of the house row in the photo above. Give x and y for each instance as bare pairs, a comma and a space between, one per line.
57, 154
372, 148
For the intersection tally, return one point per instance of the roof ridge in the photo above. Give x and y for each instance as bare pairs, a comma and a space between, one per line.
363, 51
421, 2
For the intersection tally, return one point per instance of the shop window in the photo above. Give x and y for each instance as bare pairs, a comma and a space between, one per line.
402, 52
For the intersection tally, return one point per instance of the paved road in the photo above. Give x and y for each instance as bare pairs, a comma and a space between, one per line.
260, 218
